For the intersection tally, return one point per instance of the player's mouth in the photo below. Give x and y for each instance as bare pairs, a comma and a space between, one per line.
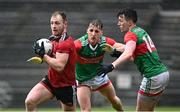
54, 30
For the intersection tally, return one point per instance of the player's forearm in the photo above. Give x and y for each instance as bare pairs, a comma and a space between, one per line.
127, 54
119, 47
54, 63
123, 58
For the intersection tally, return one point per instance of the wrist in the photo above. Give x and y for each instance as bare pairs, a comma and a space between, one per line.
113, 65
114, 50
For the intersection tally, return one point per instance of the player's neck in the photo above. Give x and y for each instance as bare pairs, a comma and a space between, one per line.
93, 43
132, 26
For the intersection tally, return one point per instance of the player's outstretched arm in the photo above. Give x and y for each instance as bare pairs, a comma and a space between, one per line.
115, 51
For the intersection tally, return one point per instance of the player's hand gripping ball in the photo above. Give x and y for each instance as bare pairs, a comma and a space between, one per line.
42, 46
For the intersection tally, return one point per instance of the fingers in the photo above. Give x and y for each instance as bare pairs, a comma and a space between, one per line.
39, 49
107, 47
36, 60
115, 53
35, 45
36, 48
99, 71
42, 45
103, 75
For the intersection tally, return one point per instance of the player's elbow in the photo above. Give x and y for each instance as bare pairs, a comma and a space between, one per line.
59, 68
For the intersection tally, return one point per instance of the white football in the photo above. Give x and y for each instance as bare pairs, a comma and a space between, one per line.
47, 45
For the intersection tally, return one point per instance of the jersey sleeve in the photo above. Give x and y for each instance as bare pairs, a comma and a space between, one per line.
130, 36
110, 41
78, 45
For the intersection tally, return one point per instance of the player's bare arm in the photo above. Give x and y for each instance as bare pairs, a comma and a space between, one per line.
119, 47
57, 63
127, 54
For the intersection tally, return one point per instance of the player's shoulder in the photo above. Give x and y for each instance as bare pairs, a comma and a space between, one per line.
70, 38
83, 40
130, 33
137, 30
109, 39
84, 37
77, 41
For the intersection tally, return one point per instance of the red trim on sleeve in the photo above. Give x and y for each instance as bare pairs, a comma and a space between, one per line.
130, 36
110, 41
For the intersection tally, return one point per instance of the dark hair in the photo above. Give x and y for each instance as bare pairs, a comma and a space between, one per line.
97, 23
129, 14
61, 13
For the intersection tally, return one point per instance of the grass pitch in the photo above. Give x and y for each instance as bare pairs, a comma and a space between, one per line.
101, 109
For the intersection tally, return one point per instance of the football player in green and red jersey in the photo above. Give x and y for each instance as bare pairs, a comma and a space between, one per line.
90, 54
141, 49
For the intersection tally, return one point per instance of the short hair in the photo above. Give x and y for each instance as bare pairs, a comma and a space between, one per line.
61, 13
129, 14
97, 23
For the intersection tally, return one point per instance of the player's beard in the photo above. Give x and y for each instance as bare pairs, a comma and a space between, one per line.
57, 32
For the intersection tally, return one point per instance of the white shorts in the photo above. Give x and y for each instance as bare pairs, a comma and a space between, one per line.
154, 86
96, 83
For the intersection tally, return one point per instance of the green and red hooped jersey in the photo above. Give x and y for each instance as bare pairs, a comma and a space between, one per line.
145, 56
89, 57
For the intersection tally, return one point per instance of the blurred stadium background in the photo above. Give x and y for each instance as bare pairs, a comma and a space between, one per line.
22, 21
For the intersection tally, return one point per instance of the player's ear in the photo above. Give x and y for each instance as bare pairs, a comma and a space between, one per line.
130, 22
65, 24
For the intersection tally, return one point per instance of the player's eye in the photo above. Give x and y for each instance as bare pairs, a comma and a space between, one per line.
96, 31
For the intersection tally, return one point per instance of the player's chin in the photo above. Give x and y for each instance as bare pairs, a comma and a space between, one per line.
122, 30
55, 33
